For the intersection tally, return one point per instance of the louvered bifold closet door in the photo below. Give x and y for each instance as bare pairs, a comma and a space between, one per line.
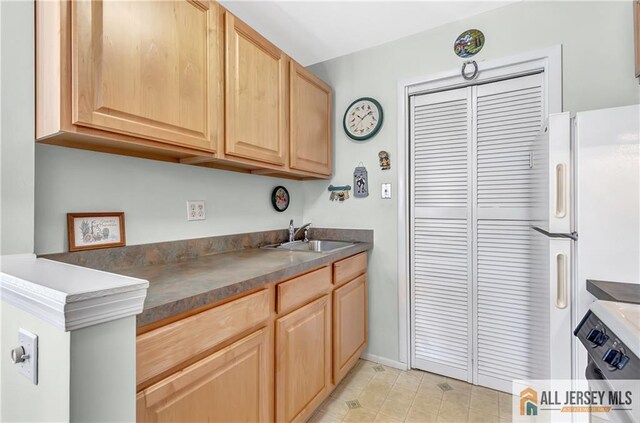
510, 261
440, 128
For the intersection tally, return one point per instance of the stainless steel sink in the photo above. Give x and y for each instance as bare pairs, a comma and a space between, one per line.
318, 246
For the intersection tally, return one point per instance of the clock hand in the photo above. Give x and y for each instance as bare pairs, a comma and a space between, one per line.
362, 118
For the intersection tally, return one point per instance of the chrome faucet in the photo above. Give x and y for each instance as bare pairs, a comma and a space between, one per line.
293, 233
304, 228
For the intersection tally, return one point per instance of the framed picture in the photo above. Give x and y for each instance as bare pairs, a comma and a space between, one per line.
89, 231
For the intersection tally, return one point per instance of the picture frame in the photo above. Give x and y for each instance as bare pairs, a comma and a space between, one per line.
90, 231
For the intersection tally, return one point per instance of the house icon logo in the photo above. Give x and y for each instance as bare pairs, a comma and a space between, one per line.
528, 402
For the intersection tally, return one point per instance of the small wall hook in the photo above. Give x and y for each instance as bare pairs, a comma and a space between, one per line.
475, 70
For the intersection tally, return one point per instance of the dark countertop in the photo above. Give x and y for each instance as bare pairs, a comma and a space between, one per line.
175, 288
614, 291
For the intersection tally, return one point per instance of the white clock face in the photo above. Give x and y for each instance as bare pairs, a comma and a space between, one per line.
363, 119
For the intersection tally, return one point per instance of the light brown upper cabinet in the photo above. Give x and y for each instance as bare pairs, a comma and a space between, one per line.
182, 81
310, 106
255, 81
144, 70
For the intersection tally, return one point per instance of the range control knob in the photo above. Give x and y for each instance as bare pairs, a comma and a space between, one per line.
597, 337
623, 362
615, 359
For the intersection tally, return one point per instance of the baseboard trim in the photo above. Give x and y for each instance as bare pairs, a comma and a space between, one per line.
385, 361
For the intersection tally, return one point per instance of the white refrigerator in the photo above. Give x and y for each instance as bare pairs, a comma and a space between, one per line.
607, 212
593, 225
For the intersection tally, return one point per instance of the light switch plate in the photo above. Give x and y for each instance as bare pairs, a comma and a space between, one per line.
29, 367
196, 210
385, 191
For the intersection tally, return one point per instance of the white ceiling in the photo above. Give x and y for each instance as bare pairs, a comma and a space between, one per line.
313, 31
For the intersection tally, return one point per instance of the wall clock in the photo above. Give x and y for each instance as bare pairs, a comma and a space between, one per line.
363, 119
280, 198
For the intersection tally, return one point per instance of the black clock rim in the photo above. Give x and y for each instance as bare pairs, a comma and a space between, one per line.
375, 131
273, 198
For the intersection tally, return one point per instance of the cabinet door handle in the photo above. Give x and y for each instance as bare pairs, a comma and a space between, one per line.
560, 209
561, 281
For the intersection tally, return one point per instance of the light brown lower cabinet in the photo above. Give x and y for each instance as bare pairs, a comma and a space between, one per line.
349, 325
230, 385
303, 360
270, 355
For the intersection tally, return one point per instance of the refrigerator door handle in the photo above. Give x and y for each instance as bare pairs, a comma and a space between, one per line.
560, 209
561, 280
571, 235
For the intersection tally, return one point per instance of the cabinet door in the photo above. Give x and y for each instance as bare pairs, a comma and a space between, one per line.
255, 95
303, 360
310, 108
148, 68
231, 385
349, 325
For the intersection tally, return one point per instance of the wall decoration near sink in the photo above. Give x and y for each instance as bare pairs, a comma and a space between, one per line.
339, 193
385, 161
360, 182
280, 198
362, 119
89, 231
469, 43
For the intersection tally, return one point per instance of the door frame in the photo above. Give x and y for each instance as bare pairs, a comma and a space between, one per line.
549, 59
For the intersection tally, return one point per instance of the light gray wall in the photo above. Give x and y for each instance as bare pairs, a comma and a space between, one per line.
597, 39
22, 401
17, 88
153, 196
103, 373
17, 395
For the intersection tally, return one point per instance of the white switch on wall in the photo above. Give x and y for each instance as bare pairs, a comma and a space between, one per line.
196, 210
386, 191
25, 355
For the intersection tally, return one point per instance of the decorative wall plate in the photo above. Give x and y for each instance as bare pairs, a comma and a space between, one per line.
469, 43
280, 198
362, 119
360, 182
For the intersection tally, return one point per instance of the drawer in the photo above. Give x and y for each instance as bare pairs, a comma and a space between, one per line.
347, 269
164, 348
299, 291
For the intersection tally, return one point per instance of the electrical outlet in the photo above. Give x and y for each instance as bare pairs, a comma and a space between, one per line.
385, 191
196, 210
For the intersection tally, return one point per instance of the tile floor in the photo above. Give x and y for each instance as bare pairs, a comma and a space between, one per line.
375, 393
